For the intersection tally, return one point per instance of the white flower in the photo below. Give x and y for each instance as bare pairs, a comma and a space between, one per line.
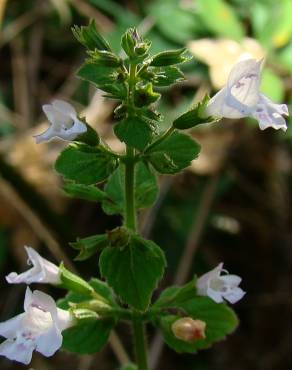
38, 328
64, 122
42, 271
241, 98
218, 287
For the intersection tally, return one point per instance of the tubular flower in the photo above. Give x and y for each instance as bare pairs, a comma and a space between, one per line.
218, 287
64, 122
42, 271
241, 98
38, 328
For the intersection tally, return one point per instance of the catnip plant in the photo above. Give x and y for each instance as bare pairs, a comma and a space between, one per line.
190, 317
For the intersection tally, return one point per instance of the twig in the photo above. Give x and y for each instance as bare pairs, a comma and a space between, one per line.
188, 255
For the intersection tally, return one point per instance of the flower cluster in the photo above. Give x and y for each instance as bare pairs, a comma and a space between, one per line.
41, 324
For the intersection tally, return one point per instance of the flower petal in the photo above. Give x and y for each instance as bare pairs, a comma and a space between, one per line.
234, 295
215, 295
49, 342
9, 327
45, 302
64, 108
231, 280
17, 351
217, 106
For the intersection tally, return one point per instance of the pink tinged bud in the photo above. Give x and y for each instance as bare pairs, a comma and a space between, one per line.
219, 287
64, 122
39, 328
42, 271
189, 330
241, 98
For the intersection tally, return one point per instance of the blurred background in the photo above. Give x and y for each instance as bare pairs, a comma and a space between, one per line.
234, 204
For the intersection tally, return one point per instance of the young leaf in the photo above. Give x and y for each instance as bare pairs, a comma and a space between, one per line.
173, 154
87, 247
219, 318
96, 74
90, 37
146, 189
85, 164
193, 117
86, 192
168, 76
134, 132
174, 296
133, 271
168, 58
104, 58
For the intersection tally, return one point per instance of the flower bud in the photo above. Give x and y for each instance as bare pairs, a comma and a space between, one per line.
189, 330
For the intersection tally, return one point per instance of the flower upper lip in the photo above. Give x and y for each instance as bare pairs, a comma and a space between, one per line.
241, 98
64, 122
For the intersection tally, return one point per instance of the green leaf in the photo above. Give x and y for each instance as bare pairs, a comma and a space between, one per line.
220, 18
85, 165
173, 153
144, 95
105, 78
219, 318
86, 192
133, 271
168, 58
168, 76
146, 189
104, 58
96, 74
89, 337
87, 247
174, 296
90, 37
134, 131
193, 117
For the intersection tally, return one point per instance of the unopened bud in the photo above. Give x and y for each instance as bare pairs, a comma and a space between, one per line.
189, 330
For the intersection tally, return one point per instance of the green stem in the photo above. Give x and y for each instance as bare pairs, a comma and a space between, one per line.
130, 212
164, 136
140, 343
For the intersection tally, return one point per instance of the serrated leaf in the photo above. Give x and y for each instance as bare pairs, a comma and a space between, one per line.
220, 18
193, 117
173, 154
86, 192
219, 318
90, 37
133, 271
87, 247
96, 74
134, 131
146, 189
168, 76
85, 165
89, 337
169, 57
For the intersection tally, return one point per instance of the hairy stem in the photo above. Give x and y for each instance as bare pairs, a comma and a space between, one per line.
140, 343
130, 222
130, 212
